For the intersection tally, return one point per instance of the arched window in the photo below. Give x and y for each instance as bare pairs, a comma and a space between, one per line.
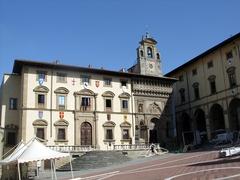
141, 53
158, 56
149, 52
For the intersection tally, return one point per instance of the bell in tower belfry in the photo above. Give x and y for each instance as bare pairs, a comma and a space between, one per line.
148, 58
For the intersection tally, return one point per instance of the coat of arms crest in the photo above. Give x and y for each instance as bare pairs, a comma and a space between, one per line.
97, 83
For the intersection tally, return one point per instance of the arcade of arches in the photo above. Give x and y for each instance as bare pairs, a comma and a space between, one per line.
215, 121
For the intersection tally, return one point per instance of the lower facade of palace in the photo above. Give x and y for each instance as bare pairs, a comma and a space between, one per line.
86, 107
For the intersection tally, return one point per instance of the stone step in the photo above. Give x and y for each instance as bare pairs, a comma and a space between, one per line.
96, 159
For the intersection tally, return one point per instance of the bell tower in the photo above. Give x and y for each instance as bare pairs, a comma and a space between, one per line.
148, 58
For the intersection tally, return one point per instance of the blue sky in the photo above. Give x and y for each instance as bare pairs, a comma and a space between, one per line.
106, 33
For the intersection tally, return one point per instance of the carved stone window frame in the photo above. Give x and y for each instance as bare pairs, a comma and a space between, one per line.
109, 125
232, 79
124, 97
10, 128
196, 90
212, 84
61, 91
40, 123
125, 126
61, 124
41, 90
78, 98
108, 95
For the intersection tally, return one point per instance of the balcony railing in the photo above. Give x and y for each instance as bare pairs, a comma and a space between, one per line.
133, 146
121, 147
72, 148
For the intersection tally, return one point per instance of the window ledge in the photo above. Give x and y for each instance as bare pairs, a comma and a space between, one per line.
125, 140
109, 140
62, 140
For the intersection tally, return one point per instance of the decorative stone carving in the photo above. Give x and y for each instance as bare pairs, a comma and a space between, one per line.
109, 124
85, 92
154, 108
124, 95
61, 90
61, 122
125, 124
108, 94
40, 122
42, 89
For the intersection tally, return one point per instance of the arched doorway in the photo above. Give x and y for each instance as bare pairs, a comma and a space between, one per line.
153, 131
201, 129
234, 114
216, 118
86, 134
186, 129
186, 122
200, 120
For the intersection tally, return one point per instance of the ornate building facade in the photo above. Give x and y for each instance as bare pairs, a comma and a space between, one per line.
77, 106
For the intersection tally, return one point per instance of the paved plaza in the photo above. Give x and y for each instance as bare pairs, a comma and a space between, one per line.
196, 165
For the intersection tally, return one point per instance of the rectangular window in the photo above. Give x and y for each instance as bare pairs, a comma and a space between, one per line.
13, 103
123, 83
232, 80
196, 92
85, 104
125, 134
41, 75
85, 79
11, 138
41, 99
194, 72
109, 134
125, 104
107, 81
210, 64
40, 133
108, 104
61, 134
213, 87
61, 102
61, 77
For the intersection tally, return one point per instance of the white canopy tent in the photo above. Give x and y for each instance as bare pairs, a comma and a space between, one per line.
34, 151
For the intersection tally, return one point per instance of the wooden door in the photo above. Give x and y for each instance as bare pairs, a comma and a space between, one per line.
86, 134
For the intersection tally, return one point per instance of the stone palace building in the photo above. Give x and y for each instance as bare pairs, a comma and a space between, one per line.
66, 105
